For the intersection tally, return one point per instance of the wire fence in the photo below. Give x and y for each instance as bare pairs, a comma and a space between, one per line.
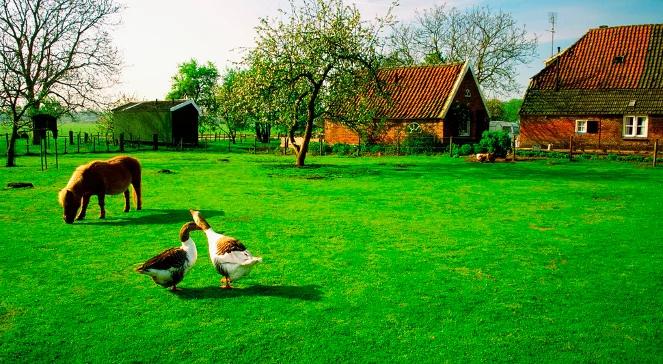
82, 142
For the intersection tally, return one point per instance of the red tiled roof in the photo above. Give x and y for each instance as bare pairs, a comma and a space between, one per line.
607, 58
419, 92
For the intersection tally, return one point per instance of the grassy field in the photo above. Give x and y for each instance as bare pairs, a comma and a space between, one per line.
393, 259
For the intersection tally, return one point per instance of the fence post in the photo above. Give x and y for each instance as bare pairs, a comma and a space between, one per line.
94, 145
78, 142
86, 137
65, 146
71, 137
655, 152
27, 146
121, 142
451, 146
571, 148
320, 142
155, 141
513, 149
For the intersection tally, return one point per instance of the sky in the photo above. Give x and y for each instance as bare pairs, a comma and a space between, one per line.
157, 35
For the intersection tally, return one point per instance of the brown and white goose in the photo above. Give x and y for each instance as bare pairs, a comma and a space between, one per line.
168, 268
228, 255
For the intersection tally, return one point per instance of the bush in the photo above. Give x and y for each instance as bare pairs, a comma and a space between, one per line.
465, 149
314, 147
422, 142
496, 142
343, 149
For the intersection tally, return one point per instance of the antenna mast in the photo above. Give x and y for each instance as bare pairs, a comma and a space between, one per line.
552, 18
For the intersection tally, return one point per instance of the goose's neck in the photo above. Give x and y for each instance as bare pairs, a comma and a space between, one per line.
212, 238
189, 246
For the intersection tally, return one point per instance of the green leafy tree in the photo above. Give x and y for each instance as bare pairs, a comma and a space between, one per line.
511, 109
233, 110
495, 109
197, 82
313, 61
59, 50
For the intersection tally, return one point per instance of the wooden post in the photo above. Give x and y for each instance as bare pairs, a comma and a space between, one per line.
320, 142
571, 148
451, 146
86, 137
255, 144
71, 137
78, 142
655, 152
57, 166
398, 144
513, 149
155, 141
65, 146
94, 145
121, 142
41, 154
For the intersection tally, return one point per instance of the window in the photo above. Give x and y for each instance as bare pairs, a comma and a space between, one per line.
581, 126
635, 126
587, 126
592, 127
464, 127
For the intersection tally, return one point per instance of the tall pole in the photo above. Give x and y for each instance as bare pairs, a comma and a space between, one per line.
552, 17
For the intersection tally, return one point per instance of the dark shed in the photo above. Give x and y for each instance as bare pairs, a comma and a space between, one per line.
174, 121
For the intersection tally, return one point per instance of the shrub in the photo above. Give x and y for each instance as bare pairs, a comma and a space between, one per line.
496, 142
343, 149
465, 149
420, 142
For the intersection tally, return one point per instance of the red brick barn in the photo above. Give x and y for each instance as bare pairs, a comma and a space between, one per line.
606, 91
442, 100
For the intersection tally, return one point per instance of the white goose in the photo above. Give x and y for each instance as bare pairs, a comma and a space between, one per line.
169, 267
228, 255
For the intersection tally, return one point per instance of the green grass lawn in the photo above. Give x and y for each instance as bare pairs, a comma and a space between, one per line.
392, 259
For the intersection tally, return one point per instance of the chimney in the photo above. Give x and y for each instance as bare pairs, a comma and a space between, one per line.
602, 26
558, 49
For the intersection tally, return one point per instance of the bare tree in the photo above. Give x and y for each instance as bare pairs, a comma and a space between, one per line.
59, 49
492, 41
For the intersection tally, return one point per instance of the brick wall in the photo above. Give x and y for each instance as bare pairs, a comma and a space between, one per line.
557, 130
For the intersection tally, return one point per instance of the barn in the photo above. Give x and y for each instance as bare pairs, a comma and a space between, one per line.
173, 121
605, 91
442, 100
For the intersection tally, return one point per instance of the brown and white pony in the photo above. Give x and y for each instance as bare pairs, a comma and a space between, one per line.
100, 178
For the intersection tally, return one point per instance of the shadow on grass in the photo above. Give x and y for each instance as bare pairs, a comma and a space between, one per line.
146, 217
305, 293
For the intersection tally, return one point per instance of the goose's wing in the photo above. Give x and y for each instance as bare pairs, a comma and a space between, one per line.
227, 244
173, 257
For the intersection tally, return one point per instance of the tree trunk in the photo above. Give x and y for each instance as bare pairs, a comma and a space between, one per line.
11, 148
263, 132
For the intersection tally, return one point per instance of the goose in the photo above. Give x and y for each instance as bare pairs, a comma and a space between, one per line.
228, 255
169, 267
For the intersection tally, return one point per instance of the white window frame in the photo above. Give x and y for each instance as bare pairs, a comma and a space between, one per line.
581, 126
632, 127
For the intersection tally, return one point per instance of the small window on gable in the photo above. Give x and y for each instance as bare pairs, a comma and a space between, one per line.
592, 127
468, 93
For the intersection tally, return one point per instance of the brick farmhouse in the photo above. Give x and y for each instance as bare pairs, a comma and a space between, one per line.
605, 91
442, 100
